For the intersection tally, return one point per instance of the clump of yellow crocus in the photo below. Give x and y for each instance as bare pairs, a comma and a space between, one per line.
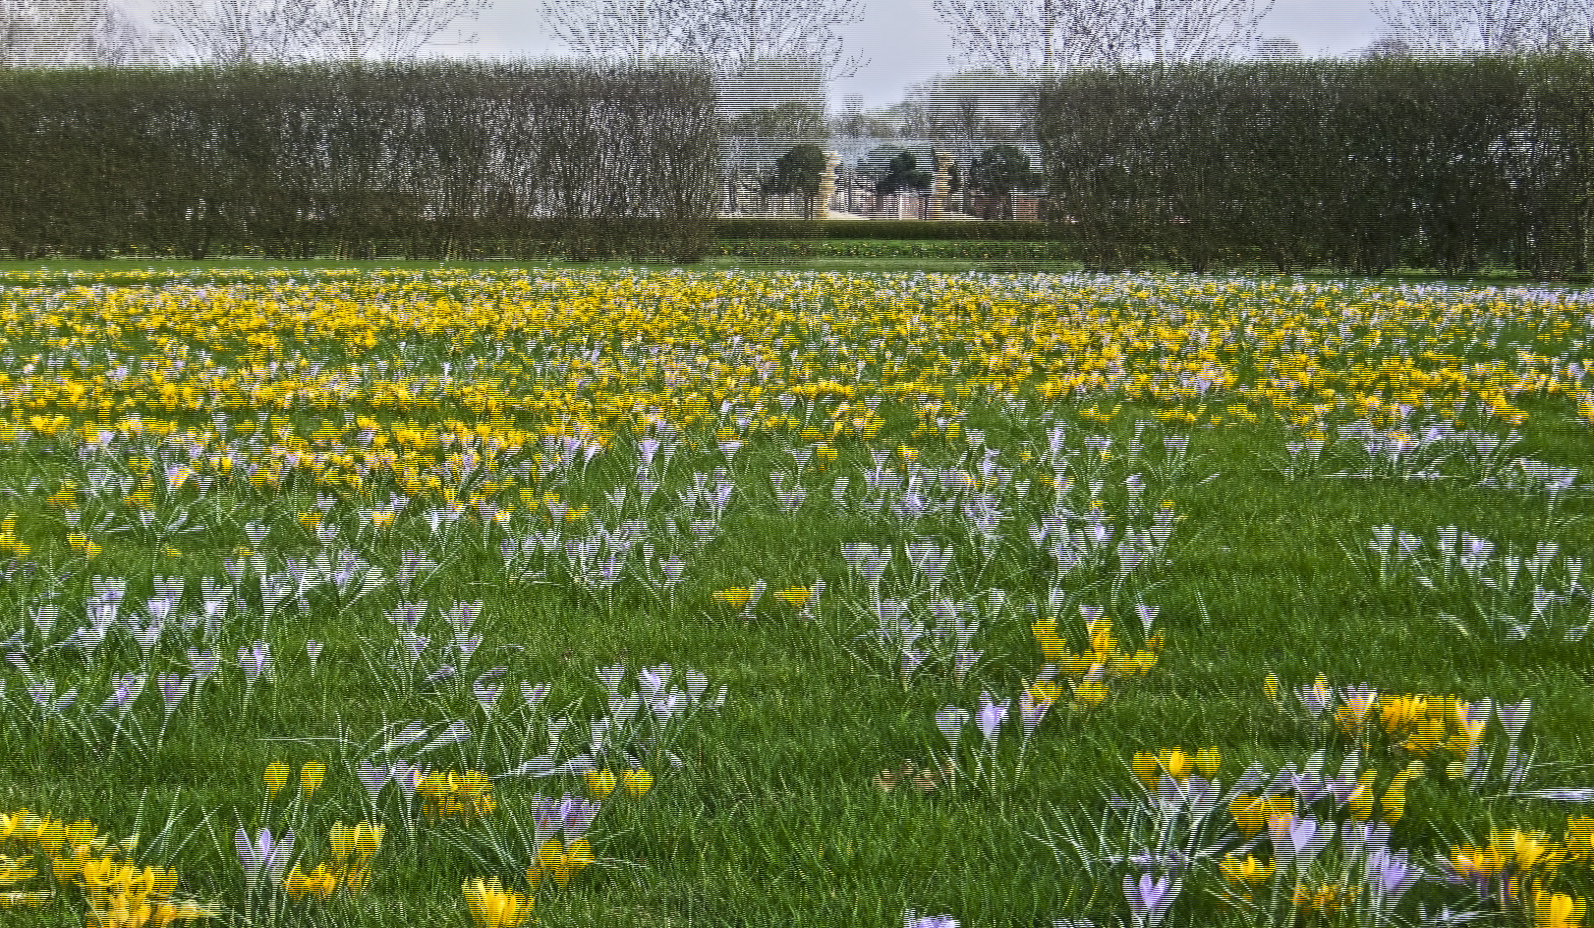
490, 906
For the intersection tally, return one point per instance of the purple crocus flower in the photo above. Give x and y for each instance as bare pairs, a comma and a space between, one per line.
125, 689
545, 818
148, 636
912, 919
1031, 713
408, 778
373, 777
1297, 841
202, 664
415, 644
1514, 718
610, 677
912, 659
1316, 698
668, 705
263, 856
1309, 785
173, 689
466, 645
950, 721
1148, 616
254, 660
654, 679
534, 693
991, 715
1150, 900
487, 693
312, 650
1364, 837
575, 816
1390, 875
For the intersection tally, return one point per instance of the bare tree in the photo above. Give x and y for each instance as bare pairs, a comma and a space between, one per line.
386, 29
615, 30
239, 31
120, 40
1448, 27
730, 35
232, 31
1013, 36
1576, 25
55, 33
971, 109
1043, 37
740, 33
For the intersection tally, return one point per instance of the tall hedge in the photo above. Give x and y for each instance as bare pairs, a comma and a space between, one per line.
427, 159
1451, 164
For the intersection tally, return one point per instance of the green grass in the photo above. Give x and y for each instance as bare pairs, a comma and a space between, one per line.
55, 268
775, 818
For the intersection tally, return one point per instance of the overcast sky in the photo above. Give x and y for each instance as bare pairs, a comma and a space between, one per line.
905, 43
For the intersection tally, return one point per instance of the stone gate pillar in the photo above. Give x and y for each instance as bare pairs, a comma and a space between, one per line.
941, 186
827, 185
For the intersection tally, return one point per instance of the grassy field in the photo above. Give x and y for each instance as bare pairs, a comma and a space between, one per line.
852, 593
896, 257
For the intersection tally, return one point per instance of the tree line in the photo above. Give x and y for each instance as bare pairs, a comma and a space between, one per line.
1029, 38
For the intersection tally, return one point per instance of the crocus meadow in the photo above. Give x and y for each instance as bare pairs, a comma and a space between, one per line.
492, 597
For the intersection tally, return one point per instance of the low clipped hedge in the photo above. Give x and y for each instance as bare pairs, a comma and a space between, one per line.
913, 230
861, 249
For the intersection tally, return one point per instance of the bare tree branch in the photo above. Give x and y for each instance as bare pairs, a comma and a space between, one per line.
730, 36
239, 31
1012, 36
386, 29
739, 33
231, 31
58, 33
969, 110
615, 30
1448, 27
1042, 37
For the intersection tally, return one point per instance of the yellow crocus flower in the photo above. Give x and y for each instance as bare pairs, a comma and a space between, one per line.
491, 907
276, 778
600, 783
311, 776
636, 782
1557, 910
1247, 874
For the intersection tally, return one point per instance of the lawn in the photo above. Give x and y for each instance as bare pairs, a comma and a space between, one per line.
756, 256
746, 596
